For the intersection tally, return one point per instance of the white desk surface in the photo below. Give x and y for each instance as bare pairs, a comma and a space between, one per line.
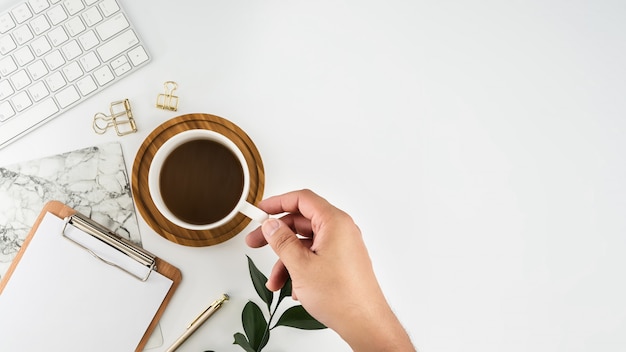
479, 146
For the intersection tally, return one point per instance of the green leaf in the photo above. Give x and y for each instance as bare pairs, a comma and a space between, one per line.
259, 280
243, 342
297, 317
254, 325
285, 291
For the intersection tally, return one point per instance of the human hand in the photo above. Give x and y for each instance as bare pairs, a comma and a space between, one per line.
330, 269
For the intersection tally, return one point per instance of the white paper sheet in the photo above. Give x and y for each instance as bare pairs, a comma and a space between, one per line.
61, 298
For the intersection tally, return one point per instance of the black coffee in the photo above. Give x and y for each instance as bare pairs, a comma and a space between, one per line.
201, 181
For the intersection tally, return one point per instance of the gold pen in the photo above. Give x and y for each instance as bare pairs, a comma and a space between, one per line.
196, 323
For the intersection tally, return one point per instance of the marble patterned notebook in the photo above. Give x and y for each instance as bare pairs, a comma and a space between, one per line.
93, 181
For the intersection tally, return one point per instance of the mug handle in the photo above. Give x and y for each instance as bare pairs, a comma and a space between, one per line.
253, 212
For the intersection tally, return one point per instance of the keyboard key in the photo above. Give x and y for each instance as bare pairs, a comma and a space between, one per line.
88, 40
138, 55
38, 5
112, 26
73, 6
21, 13
6, 111
38, 91
72, 71
37, 70
41, 46
31, 117
5, 90
118, 62
57, 15
23, 56
86, 85
120, 66
123, 69
40, 24
103, 75
54, 60
20, 80
109, 7
117, 45
21, 101
71, 50
67, 96
92, 16
89, 62
55, 81
75, 26
7, 44
22, 34
6, 23
7, 65
58, 36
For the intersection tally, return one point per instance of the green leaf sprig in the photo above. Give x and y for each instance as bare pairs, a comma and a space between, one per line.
256, 328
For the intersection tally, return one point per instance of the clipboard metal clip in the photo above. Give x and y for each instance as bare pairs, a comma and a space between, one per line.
121, 119
167, 100
140, 255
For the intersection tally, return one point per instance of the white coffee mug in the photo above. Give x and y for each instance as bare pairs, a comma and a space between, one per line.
154, 179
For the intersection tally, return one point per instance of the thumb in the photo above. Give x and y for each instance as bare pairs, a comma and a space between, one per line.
284, 242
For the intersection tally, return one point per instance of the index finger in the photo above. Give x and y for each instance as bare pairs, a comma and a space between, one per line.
305, 202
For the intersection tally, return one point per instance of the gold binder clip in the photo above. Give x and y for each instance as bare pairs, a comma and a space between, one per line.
121, 119
167, 100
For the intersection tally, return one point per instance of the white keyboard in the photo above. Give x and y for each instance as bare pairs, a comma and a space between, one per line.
56, 53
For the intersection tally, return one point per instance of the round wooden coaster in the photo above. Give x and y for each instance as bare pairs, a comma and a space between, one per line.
144, 157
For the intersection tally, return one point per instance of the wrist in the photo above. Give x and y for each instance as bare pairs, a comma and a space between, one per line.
378, 330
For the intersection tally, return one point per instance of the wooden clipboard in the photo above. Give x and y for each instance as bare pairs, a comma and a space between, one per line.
62, 211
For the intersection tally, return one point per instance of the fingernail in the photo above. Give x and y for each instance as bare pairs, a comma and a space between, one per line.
270, 226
